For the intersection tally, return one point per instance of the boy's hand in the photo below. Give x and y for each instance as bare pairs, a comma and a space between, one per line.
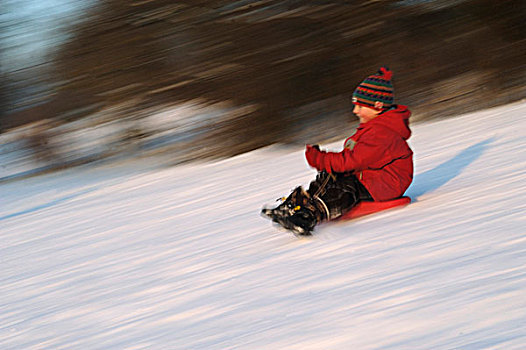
312, 154
321, 160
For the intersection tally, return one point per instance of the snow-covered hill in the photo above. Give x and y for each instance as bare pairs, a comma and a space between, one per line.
132, 256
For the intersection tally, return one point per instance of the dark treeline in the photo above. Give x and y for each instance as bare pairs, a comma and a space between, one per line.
294, 62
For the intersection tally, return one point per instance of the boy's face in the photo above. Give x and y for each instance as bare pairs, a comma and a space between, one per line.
365, 114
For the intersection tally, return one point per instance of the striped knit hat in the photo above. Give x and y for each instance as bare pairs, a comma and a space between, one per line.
376, 87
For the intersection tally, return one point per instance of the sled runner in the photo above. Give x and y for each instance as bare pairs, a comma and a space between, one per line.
368, 207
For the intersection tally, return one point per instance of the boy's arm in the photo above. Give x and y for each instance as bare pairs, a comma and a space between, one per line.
366, 152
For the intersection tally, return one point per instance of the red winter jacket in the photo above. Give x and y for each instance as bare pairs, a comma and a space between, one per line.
377, 154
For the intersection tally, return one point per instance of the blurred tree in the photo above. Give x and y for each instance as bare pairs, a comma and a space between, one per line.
283, 57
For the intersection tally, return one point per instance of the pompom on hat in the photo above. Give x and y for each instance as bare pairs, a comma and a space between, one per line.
376, 87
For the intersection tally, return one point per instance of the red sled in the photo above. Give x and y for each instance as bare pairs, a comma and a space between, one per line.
369, 207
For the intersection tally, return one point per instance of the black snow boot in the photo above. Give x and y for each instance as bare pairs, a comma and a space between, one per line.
301, 223
305, 217
298, 198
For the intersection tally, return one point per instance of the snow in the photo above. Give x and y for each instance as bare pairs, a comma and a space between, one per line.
134, 255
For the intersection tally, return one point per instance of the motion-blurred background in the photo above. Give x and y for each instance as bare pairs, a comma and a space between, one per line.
85, 80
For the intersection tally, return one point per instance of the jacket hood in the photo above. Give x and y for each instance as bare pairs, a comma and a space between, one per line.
395, 119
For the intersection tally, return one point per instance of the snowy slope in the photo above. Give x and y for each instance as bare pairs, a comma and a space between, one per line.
130, 256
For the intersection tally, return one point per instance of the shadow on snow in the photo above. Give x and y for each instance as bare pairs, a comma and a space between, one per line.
447, 171
46, 205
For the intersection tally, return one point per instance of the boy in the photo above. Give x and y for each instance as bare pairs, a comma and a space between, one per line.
376, 163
